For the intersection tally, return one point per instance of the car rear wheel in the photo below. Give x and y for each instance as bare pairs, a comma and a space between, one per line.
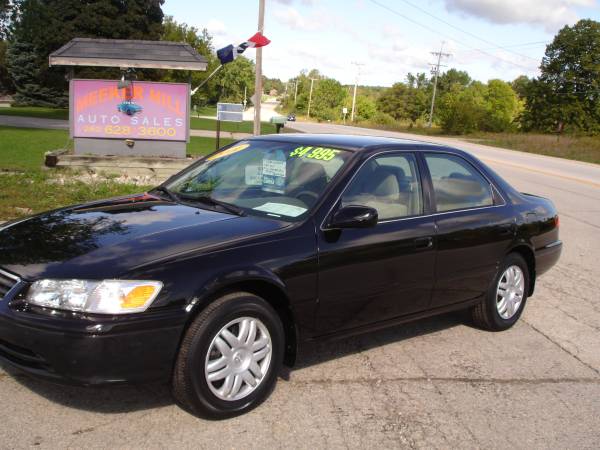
506, 297
230, 357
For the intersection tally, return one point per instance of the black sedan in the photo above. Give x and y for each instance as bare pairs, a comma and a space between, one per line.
213, 279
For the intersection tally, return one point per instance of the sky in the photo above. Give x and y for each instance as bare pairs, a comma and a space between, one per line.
380, 41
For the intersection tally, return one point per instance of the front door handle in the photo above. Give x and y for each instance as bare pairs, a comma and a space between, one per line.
424, 243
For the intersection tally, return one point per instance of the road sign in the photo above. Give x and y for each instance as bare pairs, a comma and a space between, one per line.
230, 112
345, 110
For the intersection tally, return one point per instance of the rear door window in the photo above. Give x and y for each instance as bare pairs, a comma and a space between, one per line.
457, 184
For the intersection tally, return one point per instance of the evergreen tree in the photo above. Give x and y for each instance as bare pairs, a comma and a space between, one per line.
29, 91
5, 81
6, 8
43, 26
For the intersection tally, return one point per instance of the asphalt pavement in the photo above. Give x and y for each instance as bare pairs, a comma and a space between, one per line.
435, 383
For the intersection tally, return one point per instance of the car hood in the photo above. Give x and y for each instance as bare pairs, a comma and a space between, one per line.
106, 239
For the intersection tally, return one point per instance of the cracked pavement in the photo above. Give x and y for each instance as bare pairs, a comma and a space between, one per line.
435, 383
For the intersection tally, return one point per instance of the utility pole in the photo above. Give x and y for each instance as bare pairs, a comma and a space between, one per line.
258, 74
295, 91
436, 71
312, 80
355, 87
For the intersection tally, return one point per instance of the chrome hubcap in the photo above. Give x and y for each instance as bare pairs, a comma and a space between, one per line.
238, 358
509, 294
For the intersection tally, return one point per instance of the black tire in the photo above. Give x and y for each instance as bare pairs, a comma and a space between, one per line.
485, 314
189, 385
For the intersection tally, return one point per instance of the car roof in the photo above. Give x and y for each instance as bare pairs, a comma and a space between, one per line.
349, 141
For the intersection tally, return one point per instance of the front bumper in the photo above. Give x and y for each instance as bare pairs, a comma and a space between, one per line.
85, 350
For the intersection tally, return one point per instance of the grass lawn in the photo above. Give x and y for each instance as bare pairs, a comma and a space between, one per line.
205, 111
24, 148
36, 111
200, 146
239, 127
37, 191
33, 189
579, 148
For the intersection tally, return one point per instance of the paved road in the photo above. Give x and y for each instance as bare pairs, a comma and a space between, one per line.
32, 122
267, 110
435, 383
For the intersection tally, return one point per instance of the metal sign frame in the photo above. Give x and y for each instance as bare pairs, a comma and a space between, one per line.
230, 112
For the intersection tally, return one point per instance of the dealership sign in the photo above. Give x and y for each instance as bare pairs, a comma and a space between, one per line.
132, 110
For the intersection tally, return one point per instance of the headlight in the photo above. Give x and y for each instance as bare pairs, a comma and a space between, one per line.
100, 297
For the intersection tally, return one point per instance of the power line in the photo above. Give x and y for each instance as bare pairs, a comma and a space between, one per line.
465, 31
397, 13
526, 44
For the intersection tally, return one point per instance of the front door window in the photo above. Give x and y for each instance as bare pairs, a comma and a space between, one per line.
390, 184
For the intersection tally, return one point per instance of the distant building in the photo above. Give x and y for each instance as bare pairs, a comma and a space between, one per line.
273, 93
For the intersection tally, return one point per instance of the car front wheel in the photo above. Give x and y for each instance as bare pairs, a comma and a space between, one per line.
506, 297
230, 357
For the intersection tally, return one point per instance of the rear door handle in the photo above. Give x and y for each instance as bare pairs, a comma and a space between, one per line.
424, 243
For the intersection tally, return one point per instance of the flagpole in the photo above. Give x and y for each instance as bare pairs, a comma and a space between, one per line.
206, 80
258, 73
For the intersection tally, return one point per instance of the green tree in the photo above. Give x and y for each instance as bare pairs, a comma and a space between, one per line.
201, 41
5, 81
568, 90
328, 98
365, 108
273, 83
303, 81
42, 26
6, 9
462, 110
404, 101
233, 78
520, 85
26, 75
501, 106
452, 78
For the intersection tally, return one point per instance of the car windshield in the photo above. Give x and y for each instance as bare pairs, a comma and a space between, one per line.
273, 179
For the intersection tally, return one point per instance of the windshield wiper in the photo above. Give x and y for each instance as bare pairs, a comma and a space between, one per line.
167, 191
208, 200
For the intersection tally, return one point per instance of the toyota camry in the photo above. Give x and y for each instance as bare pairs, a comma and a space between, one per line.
212, 280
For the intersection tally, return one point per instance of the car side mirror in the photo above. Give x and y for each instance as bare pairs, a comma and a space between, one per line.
354, 216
